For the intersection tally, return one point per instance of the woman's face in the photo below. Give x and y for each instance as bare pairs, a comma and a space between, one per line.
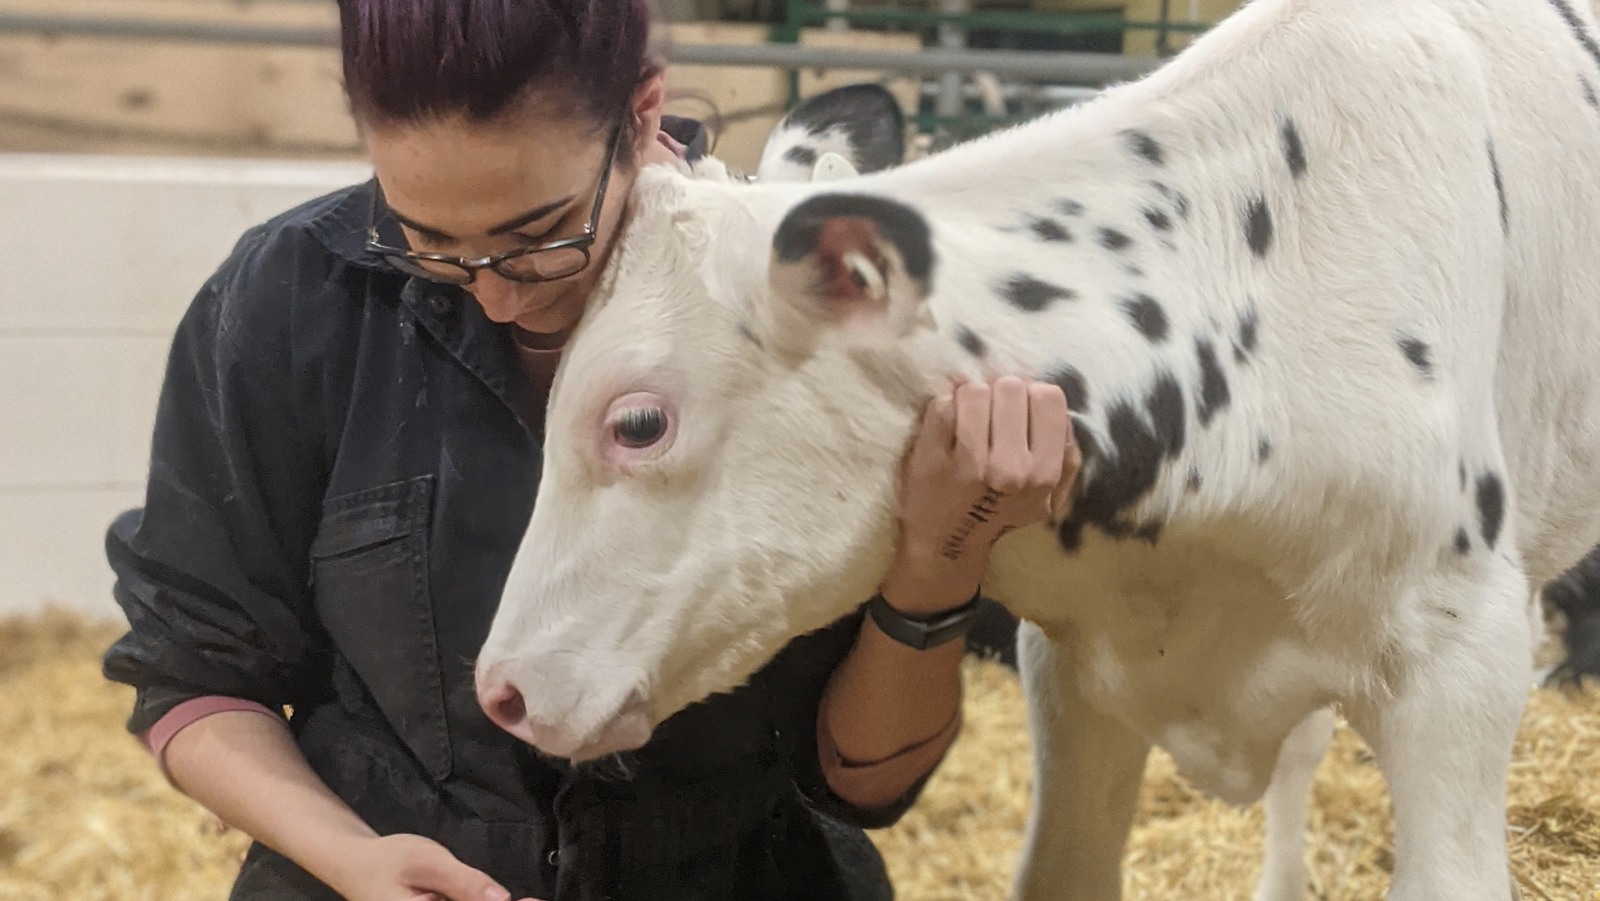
478, 189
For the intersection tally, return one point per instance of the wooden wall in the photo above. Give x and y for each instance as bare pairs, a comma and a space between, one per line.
90, 94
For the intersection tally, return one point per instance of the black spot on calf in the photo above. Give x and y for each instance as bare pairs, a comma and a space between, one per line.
1179, 201
1417, 353
1192, 483
1258, 227
1263, 449
799, 232
1049, 230
1213, 384
1138, 446
1294, 150
801, 154
1575, 22
1071, 382
1499, 189
1158, 219
1070, 207
1147, 316
1111, 239
1463, 543
970, 342
1491, 507
1031, 295
1589, 95
1249, 324
1145, 146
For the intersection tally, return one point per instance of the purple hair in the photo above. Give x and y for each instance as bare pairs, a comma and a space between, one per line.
408, 61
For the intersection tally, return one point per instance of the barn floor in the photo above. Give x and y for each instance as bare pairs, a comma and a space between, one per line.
92, 820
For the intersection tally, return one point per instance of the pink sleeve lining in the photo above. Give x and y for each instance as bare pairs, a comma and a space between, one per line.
177, 719
880, 783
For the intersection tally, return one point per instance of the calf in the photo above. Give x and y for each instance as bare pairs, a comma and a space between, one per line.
1576, 593
1322, 293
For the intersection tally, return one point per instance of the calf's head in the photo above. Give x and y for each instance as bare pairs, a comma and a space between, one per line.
721, 463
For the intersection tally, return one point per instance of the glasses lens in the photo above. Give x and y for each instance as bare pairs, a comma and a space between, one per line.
432, 270
558, 262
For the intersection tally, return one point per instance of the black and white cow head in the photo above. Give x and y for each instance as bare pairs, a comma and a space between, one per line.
721, 443
861, 123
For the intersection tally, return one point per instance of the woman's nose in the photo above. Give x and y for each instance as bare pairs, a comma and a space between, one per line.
501, 298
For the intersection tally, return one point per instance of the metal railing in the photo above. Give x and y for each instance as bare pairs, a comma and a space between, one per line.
951, 61
1028, 65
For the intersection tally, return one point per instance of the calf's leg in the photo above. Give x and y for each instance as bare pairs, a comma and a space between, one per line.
1443, 734
1086, 775
1284, 876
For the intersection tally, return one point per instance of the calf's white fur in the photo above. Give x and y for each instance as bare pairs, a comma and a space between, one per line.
1324, 292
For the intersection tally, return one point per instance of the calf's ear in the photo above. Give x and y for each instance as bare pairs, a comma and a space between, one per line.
862, 123
849, 261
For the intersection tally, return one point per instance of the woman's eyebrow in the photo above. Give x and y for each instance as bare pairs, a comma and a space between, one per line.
533, 215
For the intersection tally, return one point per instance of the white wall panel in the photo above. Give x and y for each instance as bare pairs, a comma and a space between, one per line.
99, 257
111, 243
54, 548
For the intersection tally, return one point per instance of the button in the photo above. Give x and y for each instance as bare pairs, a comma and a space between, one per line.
553, 858
442, 304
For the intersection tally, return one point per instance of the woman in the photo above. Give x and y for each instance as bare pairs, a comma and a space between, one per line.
347, 452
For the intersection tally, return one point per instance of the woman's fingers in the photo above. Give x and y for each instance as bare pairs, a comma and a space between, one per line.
1009, 464
972, 411
1050, 430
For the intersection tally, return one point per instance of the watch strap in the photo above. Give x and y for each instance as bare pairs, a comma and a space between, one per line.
923, 632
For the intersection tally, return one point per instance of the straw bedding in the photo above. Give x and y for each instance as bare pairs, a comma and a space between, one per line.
85, 816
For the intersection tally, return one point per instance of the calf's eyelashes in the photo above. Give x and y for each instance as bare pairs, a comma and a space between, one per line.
638, 426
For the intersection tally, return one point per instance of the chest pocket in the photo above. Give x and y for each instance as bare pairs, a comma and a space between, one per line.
369, 571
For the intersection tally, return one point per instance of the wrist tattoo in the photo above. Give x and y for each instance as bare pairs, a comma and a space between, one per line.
979, 513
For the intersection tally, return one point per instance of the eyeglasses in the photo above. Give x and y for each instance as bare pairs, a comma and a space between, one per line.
538, 263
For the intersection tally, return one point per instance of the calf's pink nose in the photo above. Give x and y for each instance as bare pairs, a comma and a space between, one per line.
503, 704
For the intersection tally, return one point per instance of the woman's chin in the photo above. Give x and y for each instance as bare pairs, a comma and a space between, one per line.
547, 326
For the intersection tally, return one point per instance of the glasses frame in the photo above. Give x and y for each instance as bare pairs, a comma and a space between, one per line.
471, 267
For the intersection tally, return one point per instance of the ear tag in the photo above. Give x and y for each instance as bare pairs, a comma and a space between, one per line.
865, 275
833, 167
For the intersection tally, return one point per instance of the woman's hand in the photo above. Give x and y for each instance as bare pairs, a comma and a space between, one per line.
987, 459
413, 868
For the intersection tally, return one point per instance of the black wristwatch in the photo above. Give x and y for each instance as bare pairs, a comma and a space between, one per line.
923, 632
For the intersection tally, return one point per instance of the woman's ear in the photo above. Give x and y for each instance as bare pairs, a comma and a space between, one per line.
649, 98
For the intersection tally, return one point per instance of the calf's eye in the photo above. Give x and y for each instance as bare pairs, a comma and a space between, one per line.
641, 426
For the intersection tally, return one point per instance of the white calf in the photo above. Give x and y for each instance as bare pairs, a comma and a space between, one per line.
1324, 293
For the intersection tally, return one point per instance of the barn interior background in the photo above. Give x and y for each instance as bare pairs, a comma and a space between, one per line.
138, 138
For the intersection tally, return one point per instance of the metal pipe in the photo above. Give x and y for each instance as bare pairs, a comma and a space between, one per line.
1161, 34
951, 38
836, 23
154, 29
1026, 65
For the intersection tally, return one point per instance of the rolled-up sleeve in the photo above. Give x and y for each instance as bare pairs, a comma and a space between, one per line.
211, 572
808, 665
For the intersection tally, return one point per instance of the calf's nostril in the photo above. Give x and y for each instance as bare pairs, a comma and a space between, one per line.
504, 705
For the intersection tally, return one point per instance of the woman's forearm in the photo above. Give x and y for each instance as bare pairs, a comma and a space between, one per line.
245, 768
886, 698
